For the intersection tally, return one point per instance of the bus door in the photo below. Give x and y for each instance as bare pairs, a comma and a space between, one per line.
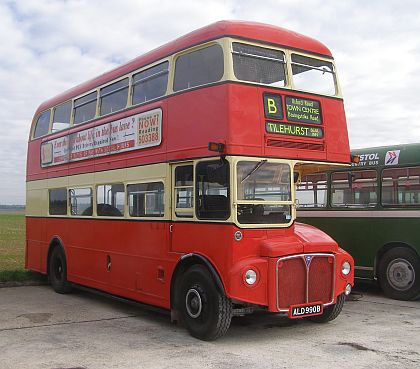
182, 207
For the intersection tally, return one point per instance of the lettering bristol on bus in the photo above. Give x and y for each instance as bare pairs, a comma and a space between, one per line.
170, 180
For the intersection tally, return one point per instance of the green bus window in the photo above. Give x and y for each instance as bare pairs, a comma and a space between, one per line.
42, 124
401, 187
311, 192
354, 189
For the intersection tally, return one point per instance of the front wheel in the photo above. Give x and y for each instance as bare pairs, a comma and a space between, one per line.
58, 271
399, 274
206, 312
330, 312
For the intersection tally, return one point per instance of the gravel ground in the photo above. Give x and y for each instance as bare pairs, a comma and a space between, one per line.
42, 329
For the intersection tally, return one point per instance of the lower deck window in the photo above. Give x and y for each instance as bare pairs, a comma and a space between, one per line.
81, 201
146, 199
110, 200
184, 191
58, 201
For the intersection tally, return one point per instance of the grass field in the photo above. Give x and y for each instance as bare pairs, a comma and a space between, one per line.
12, 248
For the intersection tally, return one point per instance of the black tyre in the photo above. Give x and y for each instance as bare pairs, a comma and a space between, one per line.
205, 311
58, 271
330, 312
399, 274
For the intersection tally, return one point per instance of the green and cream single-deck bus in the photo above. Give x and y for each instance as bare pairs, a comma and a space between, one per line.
372, 210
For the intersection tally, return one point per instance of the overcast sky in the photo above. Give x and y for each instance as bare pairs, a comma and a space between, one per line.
48, 46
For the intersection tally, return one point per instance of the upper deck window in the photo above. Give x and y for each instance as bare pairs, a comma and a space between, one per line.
313, 75
114, 97
199, 67
61, 118
150, 83
85, 108
259, 64
42, 124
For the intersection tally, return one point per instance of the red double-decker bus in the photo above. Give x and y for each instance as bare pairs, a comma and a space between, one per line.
171, 179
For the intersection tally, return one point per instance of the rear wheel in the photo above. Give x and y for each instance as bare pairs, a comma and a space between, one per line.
206, 312
330, 312
58, 271
399, 274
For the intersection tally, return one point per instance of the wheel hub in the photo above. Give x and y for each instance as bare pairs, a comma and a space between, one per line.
193, 303
400, 274
58, 269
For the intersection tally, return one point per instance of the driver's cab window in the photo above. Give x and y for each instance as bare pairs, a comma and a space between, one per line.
212, 192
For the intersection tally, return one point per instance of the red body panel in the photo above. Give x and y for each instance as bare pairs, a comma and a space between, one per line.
138, 250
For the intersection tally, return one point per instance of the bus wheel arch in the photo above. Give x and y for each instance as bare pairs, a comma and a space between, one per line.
57, 267
397, 267
186, 262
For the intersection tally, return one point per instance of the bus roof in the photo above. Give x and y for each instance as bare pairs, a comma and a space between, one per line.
241, 29
405, 154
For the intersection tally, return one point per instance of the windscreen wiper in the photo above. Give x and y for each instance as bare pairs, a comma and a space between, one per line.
257, 166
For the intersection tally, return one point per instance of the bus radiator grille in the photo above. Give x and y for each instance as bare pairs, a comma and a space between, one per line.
300, 281
291, 282
321, 276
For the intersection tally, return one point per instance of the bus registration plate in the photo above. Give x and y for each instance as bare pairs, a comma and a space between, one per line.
304, 310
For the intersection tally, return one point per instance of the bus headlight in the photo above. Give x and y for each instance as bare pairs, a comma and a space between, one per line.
250, 277
345, 268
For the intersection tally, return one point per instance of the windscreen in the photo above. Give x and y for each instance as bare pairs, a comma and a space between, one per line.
265, 183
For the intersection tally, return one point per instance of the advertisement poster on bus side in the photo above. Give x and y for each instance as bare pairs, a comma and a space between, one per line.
132, 133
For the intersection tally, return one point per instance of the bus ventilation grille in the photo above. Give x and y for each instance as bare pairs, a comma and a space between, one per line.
298, 283
296, 145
